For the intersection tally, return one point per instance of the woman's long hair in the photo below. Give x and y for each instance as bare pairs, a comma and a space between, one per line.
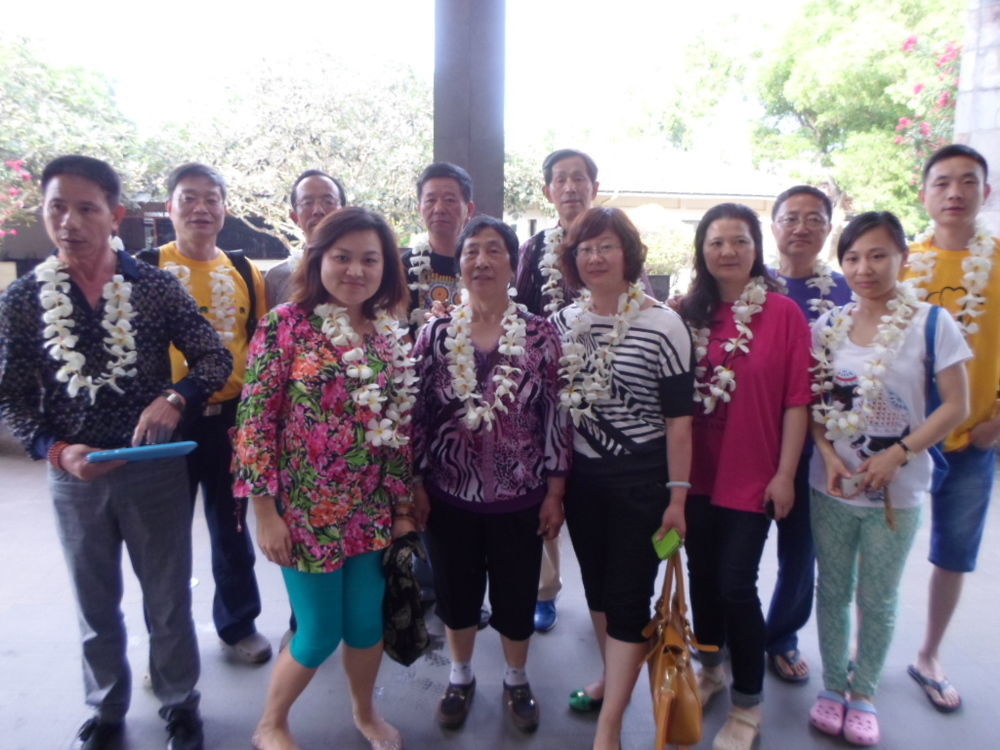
703, 298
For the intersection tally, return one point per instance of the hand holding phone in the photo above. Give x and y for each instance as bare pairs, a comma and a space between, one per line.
668, 545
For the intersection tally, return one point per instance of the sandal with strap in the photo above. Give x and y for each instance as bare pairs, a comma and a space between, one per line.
932, 687
728, 740
784, 666
827, 713
583, 702
861, 724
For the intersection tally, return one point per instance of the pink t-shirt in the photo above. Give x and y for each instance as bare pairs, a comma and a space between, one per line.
737, 446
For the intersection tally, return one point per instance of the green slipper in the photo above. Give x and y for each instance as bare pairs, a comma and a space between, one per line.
582, 701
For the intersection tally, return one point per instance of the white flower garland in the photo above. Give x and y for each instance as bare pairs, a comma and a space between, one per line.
222, 307
822, 280
548, 267
420, 265
60, 340
587, 378
848, 423
384, 428
462, 364
977, 267
723, 381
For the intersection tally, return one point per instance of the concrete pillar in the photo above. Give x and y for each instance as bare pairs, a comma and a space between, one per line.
977, 113
468, 93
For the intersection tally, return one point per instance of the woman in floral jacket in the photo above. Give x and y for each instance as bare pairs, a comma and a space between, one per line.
322, 450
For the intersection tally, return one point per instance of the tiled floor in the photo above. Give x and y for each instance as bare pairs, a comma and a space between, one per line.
41, 696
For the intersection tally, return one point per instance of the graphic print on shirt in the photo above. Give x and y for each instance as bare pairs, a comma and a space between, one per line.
889, 423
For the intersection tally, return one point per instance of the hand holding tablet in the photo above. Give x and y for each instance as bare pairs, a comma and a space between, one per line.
144, 452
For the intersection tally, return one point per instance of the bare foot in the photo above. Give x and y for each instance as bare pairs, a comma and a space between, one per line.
273, 738
595, 689
381, 735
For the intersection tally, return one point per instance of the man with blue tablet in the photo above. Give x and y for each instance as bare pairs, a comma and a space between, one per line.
84, 366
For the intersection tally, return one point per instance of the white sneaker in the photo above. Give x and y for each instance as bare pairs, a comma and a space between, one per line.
254, 649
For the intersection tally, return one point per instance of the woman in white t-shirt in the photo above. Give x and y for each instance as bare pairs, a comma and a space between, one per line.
872, 470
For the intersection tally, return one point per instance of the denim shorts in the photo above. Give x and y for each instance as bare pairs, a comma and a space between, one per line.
959, 509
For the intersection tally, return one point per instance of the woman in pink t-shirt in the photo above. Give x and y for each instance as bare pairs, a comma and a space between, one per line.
752, 388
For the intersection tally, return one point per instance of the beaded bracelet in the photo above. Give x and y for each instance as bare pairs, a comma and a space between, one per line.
55, 454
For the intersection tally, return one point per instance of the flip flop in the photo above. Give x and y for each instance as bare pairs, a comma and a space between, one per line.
827, 713
927, 684
861, 724
783, 666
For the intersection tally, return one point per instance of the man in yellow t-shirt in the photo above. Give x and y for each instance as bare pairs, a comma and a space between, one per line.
218, 282
954, 190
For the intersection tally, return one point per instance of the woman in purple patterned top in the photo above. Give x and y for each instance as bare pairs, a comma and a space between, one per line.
491, 452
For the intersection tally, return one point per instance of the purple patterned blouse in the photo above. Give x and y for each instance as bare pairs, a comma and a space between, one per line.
505, 469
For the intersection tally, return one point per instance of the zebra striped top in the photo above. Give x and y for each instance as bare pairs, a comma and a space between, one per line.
652, 377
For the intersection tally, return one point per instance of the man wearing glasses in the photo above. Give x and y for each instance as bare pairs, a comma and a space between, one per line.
314, 195
800, 222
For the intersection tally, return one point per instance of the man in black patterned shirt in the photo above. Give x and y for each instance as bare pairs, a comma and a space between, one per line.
84, 366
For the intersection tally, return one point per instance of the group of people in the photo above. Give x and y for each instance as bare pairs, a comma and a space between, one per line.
482, 393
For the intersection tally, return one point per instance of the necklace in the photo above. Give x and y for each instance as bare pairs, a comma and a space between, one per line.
548, 267
382, 428
821, 279
843, 422
723, 381
462, 364
420, 265
221, 311
586, 377
60, 340
976, 266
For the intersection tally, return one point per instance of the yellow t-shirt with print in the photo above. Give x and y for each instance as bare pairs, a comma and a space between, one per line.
945, 289
200, 287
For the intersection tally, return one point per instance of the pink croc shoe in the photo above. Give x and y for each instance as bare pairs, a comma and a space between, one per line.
861, 724
827, 713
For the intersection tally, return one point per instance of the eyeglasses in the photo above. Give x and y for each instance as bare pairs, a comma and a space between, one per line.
603, 251
327, 204
793, 220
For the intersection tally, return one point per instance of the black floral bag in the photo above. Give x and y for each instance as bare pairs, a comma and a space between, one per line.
404, 633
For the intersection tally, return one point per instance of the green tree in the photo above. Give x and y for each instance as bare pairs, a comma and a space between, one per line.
834, 91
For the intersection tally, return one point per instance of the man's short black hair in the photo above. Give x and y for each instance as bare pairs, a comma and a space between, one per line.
194, 169
956, 149
319, 173
446, 170
99, 172
803, 190
565, 153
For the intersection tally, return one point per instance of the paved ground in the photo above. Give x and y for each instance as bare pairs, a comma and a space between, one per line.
41, 701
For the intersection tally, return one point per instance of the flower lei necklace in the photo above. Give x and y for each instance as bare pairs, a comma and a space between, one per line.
548, 267
848, 423
381, 430
222, 308
820, 279
586, 377
723, 380
462, 364
420, 264
60, 340
977, 267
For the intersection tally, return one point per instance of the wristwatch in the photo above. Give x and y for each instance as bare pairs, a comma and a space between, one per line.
909, 455
174, 399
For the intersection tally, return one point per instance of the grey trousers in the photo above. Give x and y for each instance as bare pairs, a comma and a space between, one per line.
146, 506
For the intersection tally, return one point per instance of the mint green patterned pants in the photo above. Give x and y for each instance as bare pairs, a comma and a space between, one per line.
856, 549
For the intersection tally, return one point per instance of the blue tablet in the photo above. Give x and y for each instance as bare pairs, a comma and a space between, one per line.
144, 452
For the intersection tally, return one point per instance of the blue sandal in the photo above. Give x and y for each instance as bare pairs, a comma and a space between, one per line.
584, 702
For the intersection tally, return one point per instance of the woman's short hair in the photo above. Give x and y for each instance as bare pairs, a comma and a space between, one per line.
590, 224
864, 223
480, 223
308, 290
704, 297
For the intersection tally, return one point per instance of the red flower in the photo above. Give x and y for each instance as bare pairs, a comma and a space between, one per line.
918, 88
904, 123
910, 44
925, 128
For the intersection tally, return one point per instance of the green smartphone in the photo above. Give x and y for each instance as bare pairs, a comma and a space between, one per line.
667, 546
